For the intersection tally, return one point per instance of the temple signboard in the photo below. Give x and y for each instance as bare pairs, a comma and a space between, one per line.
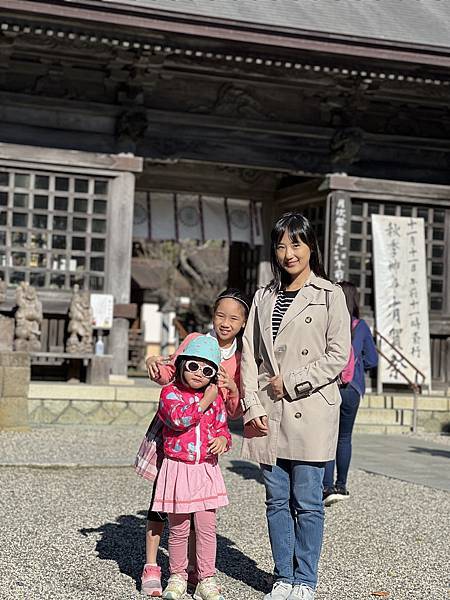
401, 297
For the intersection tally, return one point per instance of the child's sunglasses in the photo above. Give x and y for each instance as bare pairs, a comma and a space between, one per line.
206, 371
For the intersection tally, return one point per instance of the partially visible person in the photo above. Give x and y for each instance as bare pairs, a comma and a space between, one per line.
295, 345
365, 358
229, 318
190, 485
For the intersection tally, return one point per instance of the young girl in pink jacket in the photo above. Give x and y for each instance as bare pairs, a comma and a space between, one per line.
229, 318
190, 483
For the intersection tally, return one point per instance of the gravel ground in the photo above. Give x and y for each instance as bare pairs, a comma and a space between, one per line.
79, 532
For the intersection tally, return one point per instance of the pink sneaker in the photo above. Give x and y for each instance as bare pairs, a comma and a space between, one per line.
151, 581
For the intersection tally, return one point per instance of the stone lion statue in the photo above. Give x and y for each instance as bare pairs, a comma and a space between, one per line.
80, 324
28, 319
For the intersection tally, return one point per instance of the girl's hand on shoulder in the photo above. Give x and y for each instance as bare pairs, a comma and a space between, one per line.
153, 362
277, 387
218, 445
226, 381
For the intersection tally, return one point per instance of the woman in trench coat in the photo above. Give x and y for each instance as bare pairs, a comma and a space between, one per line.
296, 343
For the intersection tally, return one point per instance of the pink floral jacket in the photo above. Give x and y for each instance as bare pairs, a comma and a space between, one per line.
187, 430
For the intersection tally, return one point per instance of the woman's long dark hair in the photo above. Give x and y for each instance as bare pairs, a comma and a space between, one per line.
351, 297
299, 229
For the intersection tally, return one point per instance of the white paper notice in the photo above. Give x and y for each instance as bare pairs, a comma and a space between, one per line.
102, 308
401, 298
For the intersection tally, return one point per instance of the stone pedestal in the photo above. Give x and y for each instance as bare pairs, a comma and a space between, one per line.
14, 383
118, 346
6, 334
98, 370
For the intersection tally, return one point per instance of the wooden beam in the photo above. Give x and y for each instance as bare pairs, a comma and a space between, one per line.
358, 185
70, 158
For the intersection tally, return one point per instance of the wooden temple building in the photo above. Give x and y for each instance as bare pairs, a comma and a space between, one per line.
206, 119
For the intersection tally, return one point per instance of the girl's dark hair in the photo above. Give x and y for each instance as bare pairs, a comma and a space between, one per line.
298, 228
180, 365
234, 294
351, 297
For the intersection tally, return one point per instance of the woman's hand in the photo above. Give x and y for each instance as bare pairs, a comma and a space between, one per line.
277, 387
260, 425
218, 445
226, 381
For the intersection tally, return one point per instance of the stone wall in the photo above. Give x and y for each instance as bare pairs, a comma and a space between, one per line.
14, 382
66, 404
63, 404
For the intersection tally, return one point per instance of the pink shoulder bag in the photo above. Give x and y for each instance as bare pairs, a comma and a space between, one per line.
150, 454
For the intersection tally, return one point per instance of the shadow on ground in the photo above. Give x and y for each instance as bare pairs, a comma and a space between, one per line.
432, 451
124, 542
246, 470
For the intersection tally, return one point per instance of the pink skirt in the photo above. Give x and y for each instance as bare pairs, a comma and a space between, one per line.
188, 487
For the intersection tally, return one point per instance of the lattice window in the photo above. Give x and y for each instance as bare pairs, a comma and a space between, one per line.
53, 229
360, 251
316, 215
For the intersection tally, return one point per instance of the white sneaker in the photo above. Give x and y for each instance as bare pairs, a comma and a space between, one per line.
176, 588
301, 592
281, 591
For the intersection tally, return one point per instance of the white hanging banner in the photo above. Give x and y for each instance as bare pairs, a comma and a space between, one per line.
188, 216
162, 220
239, 220
214, 218
401, 296
141, 216
183, 216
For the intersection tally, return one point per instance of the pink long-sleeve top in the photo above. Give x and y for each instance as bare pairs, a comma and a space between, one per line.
231, 365
187, 430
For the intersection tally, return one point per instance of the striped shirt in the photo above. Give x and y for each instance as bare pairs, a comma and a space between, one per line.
282, 303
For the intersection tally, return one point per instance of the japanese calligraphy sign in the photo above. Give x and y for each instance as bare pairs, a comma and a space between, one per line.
401, 299
341, 221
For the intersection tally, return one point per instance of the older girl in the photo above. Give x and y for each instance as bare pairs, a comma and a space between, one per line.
229, 318
296, 343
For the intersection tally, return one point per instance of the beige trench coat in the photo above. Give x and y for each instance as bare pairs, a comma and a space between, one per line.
315, 330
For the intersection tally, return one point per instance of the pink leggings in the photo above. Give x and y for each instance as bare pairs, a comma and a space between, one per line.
206, 542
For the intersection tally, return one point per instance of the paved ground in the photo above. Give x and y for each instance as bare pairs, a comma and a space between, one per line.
78, 532
409, 458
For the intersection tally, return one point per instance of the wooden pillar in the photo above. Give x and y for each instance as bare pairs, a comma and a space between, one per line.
270, 212
118, 267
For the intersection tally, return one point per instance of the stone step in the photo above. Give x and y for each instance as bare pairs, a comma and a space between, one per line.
382, 416
381, 429
406, 401
81, 391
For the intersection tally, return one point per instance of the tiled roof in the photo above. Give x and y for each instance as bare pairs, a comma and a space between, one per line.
414, 22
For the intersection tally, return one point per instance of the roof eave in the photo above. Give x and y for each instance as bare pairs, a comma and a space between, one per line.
233, 31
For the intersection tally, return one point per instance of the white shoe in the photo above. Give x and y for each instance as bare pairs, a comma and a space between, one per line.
301, 592
281, 591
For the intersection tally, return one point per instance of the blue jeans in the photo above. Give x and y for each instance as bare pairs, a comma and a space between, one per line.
295, 517
349, 408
